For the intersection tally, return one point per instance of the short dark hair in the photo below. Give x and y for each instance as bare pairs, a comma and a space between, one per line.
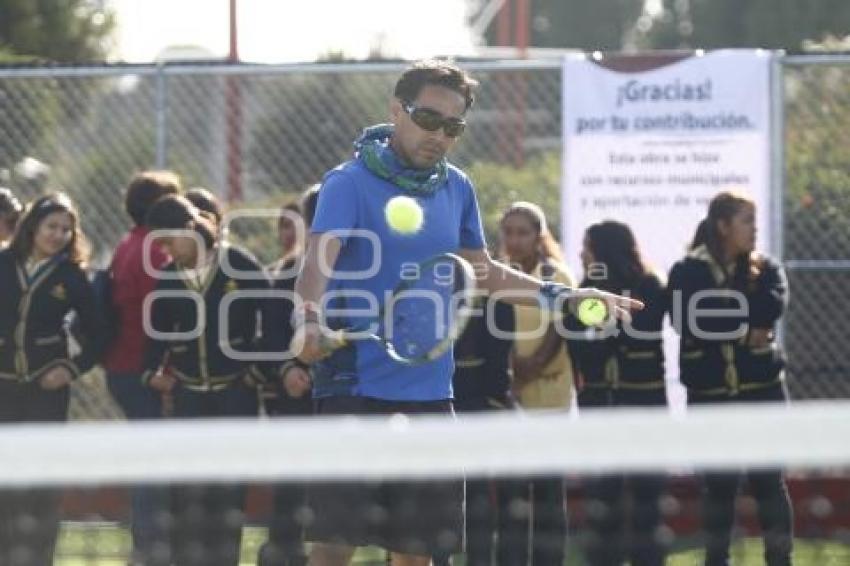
173, 212
286, 212
309, 201
207, 202
146, 188
435, 72
10, 207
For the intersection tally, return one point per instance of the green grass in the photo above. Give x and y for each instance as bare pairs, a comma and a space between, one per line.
106, 544
93, 544
748, 552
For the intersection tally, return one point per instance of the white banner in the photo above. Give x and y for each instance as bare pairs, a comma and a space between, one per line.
651, 148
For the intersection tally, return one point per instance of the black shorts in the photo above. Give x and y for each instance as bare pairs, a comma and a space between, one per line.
410, 517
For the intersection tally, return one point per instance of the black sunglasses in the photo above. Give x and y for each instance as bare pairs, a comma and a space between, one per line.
431, 120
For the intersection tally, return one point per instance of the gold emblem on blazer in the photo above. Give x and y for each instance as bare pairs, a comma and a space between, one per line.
230, 286
59, 292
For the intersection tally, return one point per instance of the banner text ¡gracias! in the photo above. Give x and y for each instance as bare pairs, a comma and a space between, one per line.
675, 91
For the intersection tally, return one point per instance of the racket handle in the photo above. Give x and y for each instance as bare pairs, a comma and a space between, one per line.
330, 341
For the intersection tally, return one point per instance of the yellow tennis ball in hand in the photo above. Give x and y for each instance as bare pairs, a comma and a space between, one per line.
404, 215
592, 312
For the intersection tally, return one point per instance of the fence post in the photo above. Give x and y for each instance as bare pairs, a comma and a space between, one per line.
161, 116
777, 168
777, 161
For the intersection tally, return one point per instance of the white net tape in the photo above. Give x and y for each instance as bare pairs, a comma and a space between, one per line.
805, 435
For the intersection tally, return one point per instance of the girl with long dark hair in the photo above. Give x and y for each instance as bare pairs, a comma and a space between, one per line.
10, 211
542, 372
732, 356
622, 369
43, 280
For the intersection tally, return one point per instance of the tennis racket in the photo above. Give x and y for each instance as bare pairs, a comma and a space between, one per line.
427, 311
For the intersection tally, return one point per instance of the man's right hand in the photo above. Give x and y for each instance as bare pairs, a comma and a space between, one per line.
760, 337
162, 382
296, 381
307, 342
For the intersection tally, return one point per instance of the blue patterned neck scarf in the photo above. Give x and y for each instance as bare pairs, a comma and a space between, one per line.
373, 149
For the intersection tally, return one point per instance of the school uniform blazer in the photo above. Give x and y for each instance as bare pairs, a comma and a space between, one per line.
633, 359
715, 366
33, 318
482, 377
283, 275
211, 352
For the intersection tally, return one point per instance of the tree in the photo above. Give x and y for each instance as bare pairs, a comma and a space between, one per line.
598, 25
499, 184
817, 226
771, 24
306, 124
63, 31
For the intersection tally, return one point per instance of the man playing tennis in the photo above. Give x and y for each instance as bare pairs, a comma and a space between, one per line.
353, 260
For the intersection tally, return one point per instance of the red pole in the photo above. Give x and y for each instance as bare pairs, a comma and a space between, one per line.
233, 107
503, 25
521, 27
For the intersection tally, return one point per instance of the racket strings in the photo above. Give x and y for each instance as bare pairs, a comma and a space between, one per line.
425, 316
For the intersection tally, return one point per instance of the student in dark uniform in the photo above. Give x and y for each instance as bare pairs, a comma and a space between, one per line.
482, 382
622, 369
210, 369
10, 211
42, 281
207, 202
289, 395
131, 279
542, 371
733, 358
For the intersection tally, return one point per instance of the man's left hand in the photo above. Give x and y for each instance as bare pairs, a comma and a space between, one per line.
55, 378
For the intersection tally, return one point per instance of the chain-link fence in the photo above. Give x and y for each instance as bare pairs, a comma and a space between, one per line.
816, 207
258, 135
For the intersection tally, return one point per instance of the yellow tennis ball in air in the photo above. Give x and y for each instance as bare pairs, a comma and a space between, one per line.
592, 312
404, 215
